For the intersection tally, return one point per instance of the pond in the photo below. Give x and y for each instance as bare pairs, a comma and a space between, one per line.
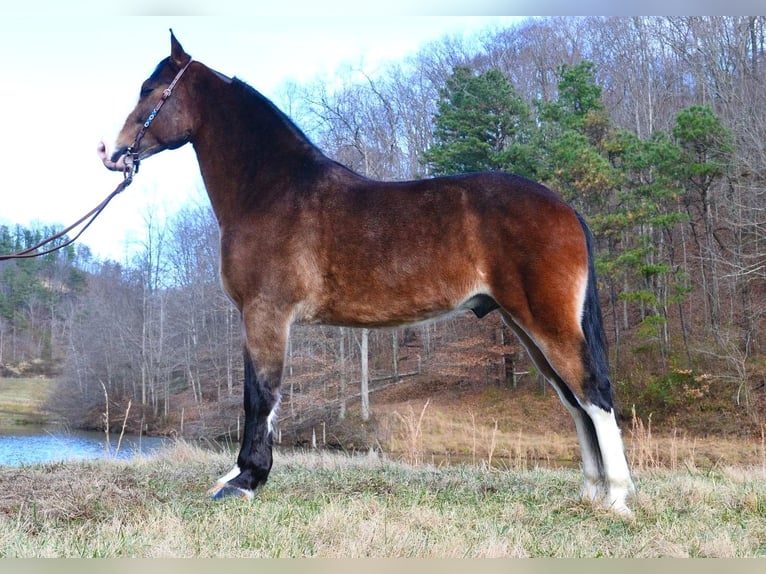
40, 445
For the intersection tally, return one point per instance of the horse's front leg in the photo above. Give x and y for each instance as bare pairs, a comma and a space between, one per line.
264, 358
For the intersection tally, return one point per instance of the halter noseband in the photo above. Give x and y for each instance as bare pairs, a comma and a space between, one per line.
131, 158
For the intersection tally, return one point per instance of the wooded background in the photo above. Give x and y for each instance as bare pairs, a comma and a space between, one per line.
652, 127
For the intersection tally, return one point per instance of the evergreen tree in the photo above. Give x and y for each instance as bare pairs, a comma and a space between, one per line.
650, 215
481, 124
705, 152
31, 295
576, 138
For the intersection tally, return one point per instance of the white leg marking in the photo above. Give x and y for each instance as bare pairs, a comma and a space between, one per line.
273, 415
233, 473
221, 482
618, 478
593, 483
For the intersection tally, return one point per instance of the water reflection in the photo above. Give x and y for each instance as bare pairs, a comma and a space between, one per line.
34, 446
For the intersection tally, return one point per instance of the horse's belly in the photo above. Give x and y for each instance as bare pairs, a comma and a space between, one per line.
387, 305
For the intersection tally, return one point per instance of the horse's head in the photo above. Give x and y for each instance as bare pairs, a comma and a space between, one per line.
148, 130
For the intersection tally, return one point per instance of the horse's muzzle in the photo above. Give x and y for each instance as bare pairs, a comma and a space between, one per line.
115, 161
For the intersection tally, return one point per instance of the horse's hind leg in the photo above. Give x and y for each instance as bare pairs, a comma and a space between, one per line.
593, 468
264, 358
618, 481
594, 394
557, 343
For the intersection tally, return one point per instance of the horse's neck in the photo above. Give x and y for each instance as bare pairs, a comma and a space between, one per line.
244, 145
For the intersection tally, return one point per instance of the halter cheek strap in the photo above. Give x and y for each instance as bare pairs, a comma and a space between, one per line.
131, 158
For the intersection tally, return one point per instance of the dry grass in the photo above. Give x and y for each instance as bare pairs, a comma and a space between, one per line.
330, 505
22, 400
412, 432
425, 432
416, 432
676, 450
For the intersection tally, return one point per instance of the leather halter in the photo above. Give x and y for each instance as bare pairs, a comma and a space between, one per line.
131, 157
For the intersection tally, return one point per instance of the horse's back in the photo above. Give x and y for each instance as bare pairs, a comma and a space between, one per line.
396, 252
487, 219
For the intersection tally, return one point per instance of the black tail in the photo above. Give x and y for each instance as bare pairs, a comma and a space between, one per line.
597, 386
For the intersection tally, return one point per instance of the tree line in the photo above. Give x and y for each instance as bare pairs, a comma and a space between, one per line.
650, 126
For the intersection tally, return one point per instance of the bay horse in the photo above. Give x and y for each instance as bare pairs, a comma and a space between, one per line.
305, 239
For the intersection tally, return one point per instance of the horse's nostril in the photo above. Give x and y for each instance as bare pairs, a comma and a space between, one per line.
117, 154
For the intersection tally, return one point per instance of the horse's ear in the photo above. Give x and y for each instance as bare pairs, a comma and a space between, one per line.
177, 53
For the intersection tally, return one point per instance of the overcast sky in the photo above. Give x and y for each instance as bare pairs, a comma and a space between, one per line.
70, 82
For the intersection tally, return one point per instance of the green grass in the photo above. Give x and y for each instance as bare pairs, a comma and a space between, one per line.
22, 400
339, 506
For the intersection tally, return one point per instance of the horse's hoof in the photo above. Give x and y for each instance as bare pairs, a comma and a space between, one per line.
220, 491
619, 508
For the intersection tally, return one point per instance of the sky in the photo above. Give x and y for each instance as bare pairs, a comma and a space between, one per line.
69, 82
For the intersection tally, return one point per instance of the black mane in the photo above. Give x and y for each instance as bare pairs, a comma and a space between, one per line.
279, 116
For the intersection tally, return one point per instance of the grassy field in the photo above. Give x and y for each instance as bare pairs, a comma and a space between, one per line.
331, 505
22, 400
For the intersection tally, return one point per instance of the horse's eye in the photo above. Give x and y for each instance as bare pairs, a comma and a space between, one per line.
146, 90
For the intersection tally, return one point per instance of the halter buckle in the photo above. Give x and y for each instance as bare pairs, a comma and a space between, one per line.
131, 162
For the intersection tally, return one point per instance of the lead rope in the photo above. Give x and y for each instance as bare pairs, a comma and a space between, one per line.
30, 252
131, 167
